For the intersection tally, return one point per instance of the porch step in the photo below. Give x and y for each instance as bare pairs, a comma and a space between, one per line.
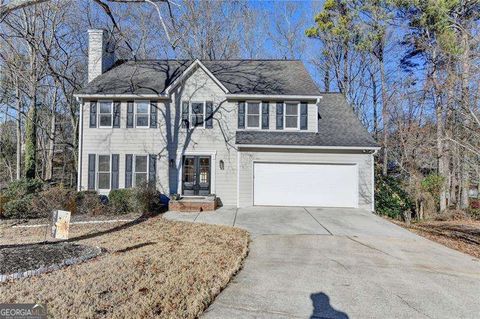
193, 204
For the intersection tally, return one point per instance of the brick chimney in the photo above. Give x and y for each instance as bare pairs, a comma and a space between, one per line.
100, 52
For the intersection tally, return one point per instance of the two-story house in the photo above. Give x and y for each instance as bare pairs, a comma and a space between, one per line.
253, 132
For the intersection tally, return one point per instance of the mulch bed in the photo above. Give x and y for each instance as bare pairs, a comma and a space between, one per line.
33, 257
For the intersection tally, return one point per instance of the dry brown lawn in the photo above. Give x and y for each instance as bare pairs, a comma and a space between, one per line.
156, 268
462, 235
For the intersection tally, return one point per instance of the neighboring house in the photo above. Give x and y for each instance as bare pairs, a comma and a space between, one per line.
253, 132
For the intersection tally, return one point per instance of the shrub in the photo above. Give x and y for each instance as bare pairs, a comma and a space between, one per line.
147, 199
122, 201
390, 197
21, 208
433, 184
474, 213
89, 202
3, 201
23, 187
54, 198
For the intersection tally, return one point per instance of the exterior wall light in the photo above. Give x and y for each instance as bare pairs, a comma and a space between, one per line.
222, 165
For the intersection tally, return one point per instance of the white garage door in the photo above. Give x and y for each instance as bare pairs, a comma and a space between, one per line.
295, 184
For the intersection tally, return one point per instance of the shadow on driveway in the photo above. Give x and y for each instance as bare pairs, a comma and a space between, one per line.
322, 308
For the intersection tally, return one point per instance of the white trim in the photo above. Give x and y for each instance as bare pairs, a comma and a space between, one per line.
125, 96
99, 113
135, 113
97, 172
134, 160
238, 178
190, 113
259, 127
285, 116
273, 97
80, 141
370, 148
373, 182
213, 165
188, 70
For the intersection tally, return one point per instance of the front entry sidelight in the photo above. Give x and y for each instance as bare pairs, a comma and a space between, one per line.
196, 175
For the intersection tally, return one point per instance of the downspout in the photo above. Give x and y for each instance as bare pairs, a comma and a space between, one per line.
80, 146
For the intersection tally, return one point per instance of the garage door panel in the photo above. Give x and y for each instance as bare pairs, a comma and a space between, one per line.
298, 184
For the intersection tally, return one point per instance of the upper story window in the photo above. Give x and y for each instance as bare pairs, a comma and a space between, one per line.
142, 113
105, 114
197, 114
253, 114
103, 172
292, 115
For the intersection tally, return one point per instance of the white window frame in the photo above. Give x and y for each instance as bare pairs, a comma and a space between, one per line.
99, 114
259, 115
285, 115
97, 168
135, 113
190, 113
134, 171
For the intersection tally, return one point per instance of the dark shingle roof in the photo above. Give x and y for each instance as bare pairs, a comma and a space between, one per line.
337, 126
269, 77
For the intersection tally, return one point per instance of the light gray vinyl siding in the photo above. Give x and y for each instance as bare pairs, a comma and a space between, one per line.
249, 156
167, 144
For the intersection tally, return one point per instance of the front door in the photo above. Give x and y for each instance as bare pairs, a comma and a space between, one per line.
196, 175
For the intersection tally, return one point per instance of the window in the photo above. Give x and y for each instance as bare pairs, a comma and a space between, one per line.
291, 115
105, 114
141, 113
253, 115
103, 171
140, 170
197, 113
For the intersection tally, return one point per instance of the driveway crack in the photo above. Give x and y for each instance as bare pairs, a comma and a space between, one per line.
371, 247
317, 221
412, 307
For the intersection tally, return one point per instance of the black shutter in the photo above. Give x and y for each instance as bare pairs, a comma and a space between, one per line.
152, 169
128, 170
303, 116
115, 160
185, 114
129, 114
153, 114
116, 114
209, 114
279, 115
93, 113
265, 115
241, 115
91, 171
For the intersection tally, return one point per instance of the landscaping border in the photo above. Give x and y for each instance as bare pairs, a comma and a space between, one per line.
67, 262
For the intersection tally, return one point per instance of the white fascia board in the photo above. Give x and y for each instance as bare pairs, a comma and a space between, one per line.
187, 72
272, 97
125, 96
369, 148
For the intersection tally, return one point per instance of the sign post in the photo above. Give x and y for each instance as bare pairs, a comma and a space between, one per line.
61, 224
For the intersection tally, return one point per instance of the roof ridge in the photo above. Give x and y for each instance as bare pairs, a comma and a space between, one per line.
227, 60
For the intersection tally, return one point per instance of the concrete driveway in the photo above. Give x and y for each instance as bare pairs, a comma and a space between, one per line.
340, 263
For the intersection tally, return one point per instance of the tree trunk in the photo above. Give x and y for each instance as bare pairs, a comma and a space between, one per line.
51, 141
375, 105
19, 131
385, 114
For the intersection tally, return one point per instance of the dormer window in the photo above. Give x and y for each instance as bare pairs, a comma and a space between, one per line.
253, 115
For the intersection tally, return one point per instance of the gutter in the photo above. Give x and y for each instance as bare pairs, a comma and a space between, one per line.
125, 96
271, 97
359, 148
